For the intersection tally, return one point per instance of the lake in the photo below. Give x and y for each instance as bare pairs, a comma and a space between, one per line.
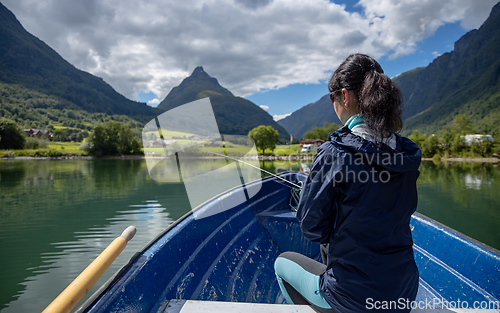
56, 216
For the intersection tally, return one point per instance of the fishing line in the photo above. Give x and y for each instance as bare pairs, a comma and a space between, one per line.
274, 175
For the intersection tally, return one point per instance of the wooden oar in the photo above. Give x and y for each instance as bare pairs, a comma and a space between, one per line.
74, 293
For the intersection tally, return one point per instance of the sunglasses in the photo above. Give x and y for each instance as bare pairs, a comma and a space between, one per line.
332, 94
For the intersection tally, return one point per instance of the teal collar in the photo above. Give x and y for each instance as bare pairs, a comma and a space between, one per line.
355, 120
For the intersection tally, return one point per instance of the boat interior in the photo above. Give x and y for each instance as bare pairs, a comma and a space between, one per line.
225, 251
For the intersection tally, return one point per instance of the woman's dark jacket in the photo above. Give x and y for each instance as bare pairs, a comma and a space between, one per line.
359, 197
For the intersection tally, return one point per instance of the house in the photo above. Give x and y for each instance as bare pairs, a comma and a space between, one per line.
196, 138
317, 142
204, 138
160, 143
38, 133
29, 131
213, 144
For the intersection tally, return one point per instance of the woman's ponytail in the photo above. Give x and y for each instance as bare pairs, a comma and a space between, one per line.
379, 98
380, 104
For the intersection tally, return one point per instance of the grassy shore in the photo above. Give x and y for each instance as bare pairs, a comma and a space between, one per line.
70, 146
53, 150
69, 149
43, 153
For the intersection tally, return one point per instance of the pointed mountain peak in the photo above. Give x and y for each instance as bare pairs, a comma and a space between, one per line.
199, 72
192, 88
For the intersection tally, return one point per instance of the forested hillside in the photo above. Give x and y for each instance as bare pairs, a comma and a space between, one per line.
37, 82
464, 81
310, 116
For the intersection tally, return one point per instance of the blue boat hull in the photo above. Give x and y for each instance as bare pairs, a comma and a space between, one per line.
222, 252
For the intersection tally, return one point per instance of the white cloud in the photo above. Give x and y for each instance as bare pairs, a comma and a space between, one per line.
435, 54
278, 117
402, 24
154, 102
247, 45
264, 107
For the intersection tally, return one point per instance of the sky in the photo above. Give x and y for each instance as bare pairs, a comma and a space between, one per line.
278, 54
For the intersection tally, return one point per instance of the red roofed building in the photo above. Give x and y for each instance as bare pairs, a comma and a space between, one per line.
39, 133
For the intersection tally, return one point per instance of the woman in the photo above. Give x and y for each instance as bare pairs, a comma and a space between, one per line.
358, 198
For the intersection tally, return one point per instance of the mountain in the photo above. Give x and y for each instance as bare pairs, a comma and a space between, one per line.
41, 89
29, 63
463, 81
234, 115
190, 87
310, 116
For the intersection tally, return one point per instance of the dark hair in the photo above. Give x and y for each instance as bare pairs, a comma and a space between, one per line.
379, 98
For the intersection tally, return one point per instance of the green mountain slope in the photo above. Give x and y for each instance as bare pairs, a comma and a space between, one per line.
32, 109
464, 81
234, 115
28, 62
190, 87
310, 116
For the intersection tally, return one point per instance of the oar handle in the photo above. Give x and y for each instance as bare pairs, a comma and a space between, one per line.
74, 293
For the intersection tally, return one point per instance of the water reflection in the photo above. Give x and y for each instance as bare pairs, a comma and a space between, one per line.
305, 167
11, 176
477, 181
280, 166
57, 216
69, 258
463, 196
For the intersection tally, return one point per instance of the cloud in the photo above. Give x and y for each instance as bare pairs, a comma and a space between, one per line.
278, 117
253, 4
435, 54
247, 45
154, 102
264, 107
402, 24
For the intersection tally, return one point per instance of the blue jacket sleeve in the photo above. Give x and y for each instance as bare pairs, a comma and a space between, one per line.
317, 211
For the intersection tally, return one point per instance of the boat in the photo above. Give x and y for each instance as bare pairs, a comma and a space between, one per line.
224, 250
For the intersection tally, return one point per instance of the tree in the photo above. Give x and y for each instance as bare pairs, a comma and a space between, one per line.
11, 136
458, 144
417, 138
322, 132
60, 134
430, 146
113, 138
481, 147
462, 125
265, 137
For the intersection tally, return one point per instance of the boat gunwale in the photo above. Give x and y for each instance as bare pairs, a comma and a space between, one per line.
118, 274
457, 233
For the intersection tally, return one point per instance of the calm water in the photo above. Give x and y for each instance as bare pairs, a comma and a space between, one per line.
57, 216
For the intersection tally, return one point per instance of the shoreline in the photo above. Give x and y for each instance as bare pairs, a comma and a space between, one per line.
472, 160
260, 157
138, 157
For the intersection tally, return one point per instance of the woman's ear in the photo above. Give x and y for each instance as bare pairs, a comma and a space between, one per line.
350, 100
346, 97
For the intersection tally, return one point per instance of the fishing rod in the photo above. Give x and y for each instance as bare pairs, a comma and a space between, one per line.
231, 158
